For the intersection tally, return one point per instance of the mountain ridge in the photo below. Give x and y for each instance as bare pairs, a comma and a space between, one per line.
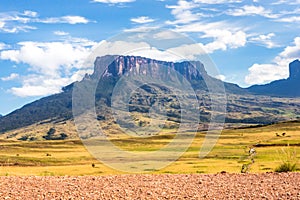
58, 107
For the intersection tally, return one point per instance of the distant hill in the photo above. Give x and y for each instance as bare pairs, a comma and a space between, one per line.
281, 88
53, 108
241, 106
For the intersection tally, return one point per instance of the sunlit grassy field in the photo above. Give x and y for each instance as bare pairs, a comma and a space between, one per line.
70, 157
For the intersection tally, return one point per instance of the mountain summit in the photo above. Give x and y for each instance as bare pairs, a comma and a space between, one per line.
281, 88
136, 65
108, 70
242, 107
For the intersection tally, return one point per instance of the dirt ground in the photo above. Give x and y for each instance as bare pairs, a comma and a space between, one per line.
167, 186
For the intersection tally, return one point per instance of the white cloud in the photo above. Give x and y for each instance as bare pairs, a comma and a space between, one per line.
224, 39
189, 51
12, 76
134, 48
4, 27
119, 48
165, 35
223, 34
113, 1
30, 13
52, 65
250, 10
217, 1
60, 33
292, 52
290, 19
4, 46
263, 73
65, 19
56, 64
141, 29
265, 40
203, 27
46, 58
14, 22
184, 52
41, 85
287, 2
220, 77
142, 20
183, 12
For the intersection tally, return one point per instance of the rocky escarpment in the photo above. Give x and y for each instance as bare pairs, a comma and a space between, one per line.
193, 71
294, 69
109, 69
282, 88
117, 66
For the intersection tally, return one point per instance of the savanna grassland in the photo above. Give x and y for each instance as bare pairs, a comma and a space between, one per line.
274, 144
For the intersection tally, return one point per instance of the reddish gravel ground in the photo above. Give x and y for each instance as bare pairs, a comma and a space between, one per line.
218, 186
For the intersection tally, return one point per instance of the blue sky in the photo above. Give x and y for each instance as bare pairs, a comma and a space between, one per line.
44, 42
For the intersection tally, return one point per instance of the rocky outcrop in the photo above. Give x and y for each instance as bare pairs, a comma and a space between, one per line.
281, 88
109, 69
294, 69
117, 66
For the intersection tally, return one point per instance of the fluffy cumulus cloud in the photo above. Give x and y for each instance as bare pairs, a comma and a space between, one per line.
41, 85
224, 35
142, 20
52, 65
263, 73
46, 58
225, 39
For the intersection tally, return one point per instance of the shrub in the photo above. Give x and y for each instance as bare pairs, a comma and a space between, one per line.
289, 160
286, 167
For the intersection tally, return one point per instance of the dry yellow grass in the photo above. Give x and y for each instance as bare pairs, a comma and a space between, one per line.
70, 157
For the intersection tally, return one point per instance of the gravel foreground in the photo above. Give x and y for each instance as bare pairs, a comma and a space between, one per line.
214, 186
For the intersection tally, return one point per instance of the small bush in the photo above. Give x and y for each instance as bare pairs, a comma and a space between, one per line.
286, 167
289, 160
